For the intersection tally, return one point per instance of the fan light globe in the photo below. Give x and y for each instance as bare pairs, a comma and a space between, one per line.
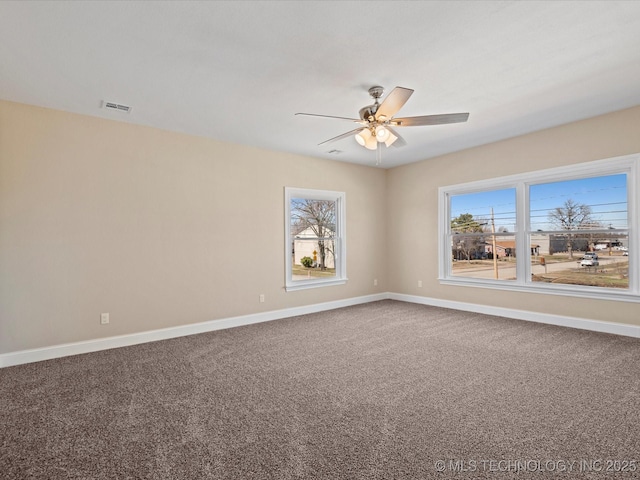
381, 133
363, 136
366, 139
390, 139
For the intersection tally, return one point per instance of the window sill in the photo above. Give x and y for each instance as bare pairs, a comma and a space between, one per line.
307, 284
595, 293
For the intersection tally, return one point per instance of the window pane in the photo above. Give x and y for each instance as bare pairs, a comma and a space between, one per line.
308, 261
482, 224
581, 229
606, 265
315, 218
597, 203
313, 229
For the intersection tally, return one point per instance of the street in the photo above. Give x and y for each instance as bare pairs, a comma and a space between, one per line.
507, 271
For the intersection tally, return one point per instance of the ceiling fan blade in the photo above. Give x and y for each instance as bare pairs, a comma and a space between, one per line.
394, 102
344, 135
430, 119
357, 120
399, 142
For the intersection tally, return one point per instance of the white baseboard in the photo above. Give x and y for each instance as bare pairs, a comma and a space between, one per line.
76, 348
58, 351
560, 320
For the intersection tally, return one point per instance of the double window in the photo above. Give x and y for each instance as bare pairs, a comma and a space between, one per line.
315, 249
567, 230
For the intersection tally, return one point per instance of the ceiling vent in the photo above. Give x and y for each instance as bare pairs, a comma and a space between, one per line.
116, 106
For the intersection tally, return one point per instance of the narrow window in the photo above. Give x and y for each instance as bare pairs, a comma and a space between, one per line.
315, 245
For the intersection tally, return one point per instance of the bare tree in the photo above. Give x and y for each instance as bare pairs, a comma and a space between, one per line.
320, 217
571, 217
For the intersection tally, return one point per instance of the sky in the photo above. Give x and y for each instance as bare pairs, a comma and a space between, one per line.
606, 195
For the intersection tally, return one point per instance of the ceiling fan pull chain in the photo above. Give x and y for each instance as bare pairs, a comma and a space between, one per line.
379, 154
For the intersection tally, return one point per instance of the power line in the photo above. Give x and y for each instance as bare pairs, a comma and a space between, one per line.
590, 206
533, 200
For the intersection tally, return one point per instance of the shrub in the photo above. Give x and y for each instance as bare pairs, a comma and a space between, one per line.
306, 261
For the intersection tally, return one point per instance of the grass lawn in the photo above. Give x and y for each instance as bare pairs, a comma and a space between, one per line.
312, 272
615, 275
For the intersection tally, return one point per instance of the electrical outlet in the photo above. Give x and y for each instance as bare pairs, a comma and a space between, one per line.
419, 283
262, 298
104, 318
375, 282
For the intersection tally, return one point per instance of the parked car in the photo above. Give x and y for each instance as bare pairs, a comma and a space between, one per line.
589, 262
590, 256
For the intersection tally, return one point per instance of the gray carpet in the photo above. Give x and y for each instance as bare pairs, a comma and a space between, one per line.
386, 390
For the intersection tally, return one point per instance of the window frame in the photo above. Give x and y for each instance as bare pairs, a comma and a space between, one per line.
340, 244
628, 164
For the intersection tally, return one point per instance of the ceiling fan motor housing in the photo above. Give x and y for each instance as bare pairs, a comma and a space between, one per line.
369, 112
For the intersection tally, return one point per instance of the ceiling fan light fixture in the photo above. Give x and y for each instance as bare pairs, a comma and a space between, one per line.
381, 133
366, 139
390, 139
363, 136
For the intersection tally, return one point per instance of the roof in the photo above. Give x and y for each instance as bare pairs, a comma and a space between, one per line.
511, 244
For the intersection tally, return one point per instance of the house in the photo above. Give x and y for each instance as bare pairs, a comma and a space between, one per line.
170, 213
507, 248
305, 244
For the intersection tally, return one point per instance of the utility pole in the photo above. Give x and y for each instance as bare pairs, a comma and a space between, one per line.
493, 246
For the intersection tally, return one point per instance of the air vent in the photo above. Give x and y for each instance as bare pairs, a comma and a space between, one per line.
116, 106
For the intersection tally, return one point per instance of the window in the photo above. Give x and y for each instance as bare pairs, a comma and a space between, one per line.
568, 230
483, 234
581, 229
315, 247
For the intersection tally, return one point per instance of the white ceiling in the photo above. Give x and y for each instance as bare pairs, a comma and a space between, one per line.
238, 71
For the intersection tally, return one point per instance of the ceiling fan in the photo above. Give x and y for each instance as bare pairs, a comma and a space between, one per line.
378, 122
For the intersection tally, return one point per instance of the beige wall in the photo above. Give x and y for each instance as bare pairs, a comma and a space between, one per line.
157, 228
413, 209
